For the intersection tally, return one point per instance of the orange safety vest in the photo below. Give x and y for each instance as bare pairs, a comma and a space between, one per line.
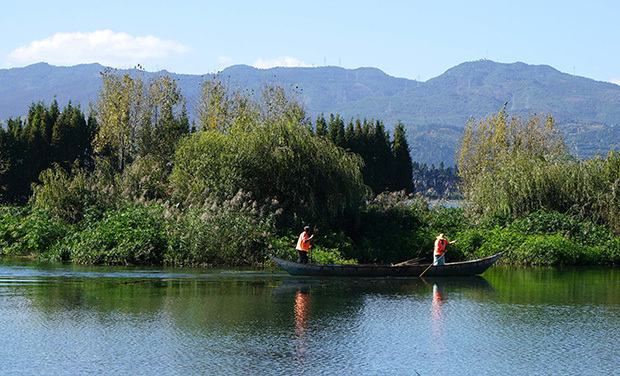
302, 243
440, 247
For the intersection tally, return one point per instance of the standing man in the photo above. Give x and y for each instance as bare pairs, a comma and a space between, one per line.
440, 249
303, 245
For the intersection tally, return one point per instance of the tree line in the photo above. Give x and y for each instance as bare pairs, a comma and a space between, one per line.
146, 117
436, 182
250, 170
47, 136
387, 162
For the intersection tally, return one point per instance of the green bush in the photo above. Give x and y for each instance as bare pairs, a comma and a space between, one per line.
27, 232
132, 235
611, 251
548, 249
307, 174
65, 195
393, 228
500, 240
468, 245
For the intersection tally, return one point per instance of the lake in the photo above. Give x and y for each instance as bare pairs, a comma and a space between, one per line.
74, 320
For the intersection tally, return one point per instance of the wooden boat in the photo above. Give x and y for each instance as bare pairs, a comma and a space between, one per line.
473, 267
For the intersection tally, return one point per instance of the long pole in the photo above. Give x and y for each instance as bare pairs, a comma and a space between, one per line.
432, 263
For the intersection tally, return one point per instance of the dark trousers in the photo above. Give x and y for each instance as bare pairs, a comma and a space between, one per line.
303, 257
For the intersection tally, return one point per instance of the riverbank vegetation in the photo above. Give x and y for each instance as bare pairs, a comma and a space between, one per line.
152, 190
137, 183
532, 198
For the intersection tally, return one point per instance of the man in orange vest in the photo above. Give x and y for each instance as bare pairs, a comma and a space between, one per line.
440, 249
303, 245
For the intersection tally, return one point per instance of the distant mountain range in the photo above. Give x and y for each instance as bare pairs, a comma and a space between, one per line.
434, 111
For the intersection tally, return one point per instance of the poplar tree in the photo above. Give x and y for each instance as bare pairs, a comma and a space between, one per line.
220, 107
118, 115
138, 116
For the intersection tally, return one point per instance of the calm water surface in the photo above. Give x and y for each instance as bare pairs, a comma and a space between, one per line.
70, 320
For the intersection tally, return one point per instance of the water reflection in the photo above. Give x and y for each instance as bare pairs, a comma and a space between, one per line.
158, 322
302, 312
438, 300
437, 324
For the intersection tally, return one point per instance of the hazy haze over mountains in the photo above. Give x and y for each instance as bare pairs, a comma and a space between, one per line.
434, 111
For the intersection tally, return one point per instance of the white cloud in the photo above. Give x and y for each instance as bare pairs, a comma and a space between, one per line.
101, 46
615, 81
285, 61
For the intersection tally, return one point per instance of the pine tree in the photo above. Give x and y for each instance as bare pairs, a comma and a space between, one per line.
321, 126
403, 166
349, 136
336, 130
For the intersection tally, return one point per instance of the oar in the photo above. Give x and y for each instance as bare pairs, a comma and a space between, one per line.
431, 265
411, 261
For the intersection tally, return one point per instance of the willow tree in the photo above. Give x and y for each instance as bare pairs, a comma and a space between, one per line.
506, 164
272, 154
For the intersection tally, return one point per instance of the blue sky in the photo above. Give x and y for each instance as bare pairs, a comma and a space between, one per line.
411, 39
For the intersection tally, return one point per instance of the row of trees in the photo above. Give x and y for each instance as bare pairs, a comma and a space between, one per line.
387, 162
47, 136
141, 119
436, 182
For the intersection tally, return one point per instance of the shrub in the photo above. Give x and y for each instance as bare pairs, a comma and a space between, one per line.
26, 232
393, 228
284, 161
468, 245
499, 240
546, 222
132, 235
548, 250
230, 232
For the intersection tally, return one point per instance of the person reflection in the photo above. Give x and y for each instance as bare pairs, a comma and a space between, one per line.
301, 312
437, 333
302, 307
437, 313
438, 296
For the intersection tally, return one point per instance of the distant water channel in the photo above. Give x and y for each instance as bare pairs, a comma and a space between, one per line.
72, 320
